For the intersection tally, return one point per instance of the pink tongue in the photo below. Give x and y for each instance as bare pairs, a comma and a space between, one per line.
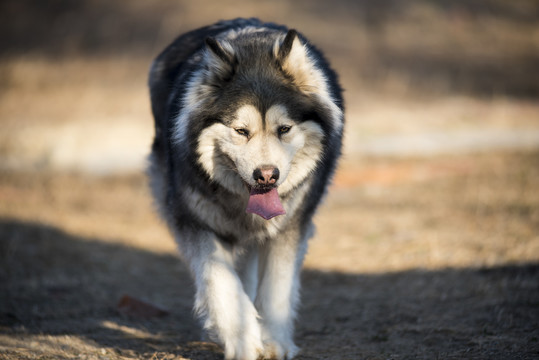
265, 203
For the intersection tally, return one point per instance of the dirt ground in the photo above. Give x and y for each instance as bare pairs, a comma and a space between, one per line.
438, 266
427, 246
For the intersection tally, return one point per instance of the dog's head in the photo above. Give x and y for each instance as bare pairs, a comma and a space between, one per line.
261, 113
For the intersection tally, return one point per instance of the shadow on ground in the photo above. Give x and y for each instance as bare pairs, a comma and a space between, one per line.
53, 284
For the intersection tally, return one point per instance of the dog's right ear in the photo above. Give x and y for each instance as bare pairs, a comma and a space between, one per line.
220, 57
221, 49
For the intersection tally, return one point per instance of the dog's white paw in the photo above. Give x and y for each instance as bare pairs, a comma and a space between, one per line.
241, 336
243, 343
275, 348
243, 349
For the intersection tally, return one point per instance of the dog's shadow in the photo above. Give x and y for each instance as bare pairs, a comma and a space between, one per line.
53, 283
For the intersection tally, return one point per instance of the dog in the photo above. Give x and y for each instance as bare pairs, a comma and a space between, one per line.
248, 130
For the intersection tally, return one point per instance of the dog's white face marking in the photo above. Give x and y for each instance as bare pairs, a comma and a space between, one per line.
230, 154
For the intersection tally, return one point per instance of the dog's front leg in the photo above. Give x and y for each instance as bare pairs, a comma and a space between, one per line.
278, 293
227, 313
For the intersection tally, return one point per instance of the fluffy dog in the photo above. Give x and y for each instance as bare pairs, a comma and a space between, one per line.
248, 128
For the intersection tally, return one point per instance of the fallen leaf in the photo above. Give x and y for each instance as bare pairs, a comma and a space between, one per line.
131, 306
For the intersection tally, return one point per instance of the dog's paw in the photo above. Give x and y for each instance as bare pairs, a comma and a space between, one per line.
246, 346
279, 349
243, 350
243, 340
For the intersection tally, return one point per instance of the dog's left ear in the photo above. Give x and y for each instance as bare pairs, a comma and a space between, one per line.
285, 47
292, 56
290, 52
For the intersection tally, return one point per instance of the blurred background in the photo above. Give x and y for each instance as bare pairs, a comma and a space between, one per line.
421, 77
439, 179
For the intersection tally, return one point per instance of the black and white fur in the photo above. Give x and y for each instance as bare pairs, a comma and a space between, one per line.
229, 99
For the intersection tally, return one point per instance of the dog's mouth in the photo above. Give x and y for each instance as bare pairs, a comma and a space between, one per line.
265, 202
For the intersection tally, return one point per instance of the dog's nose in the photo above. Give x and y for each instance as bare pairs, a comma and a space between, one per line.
266, 175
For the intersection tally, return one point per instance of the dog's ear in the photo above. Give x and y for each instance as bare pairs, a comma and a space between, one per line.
220, 57
293, 59
286, 46
221, 49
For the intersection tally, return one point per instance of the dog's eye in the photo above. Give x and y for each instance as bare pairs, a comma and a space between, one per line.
243, 132
284, 129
